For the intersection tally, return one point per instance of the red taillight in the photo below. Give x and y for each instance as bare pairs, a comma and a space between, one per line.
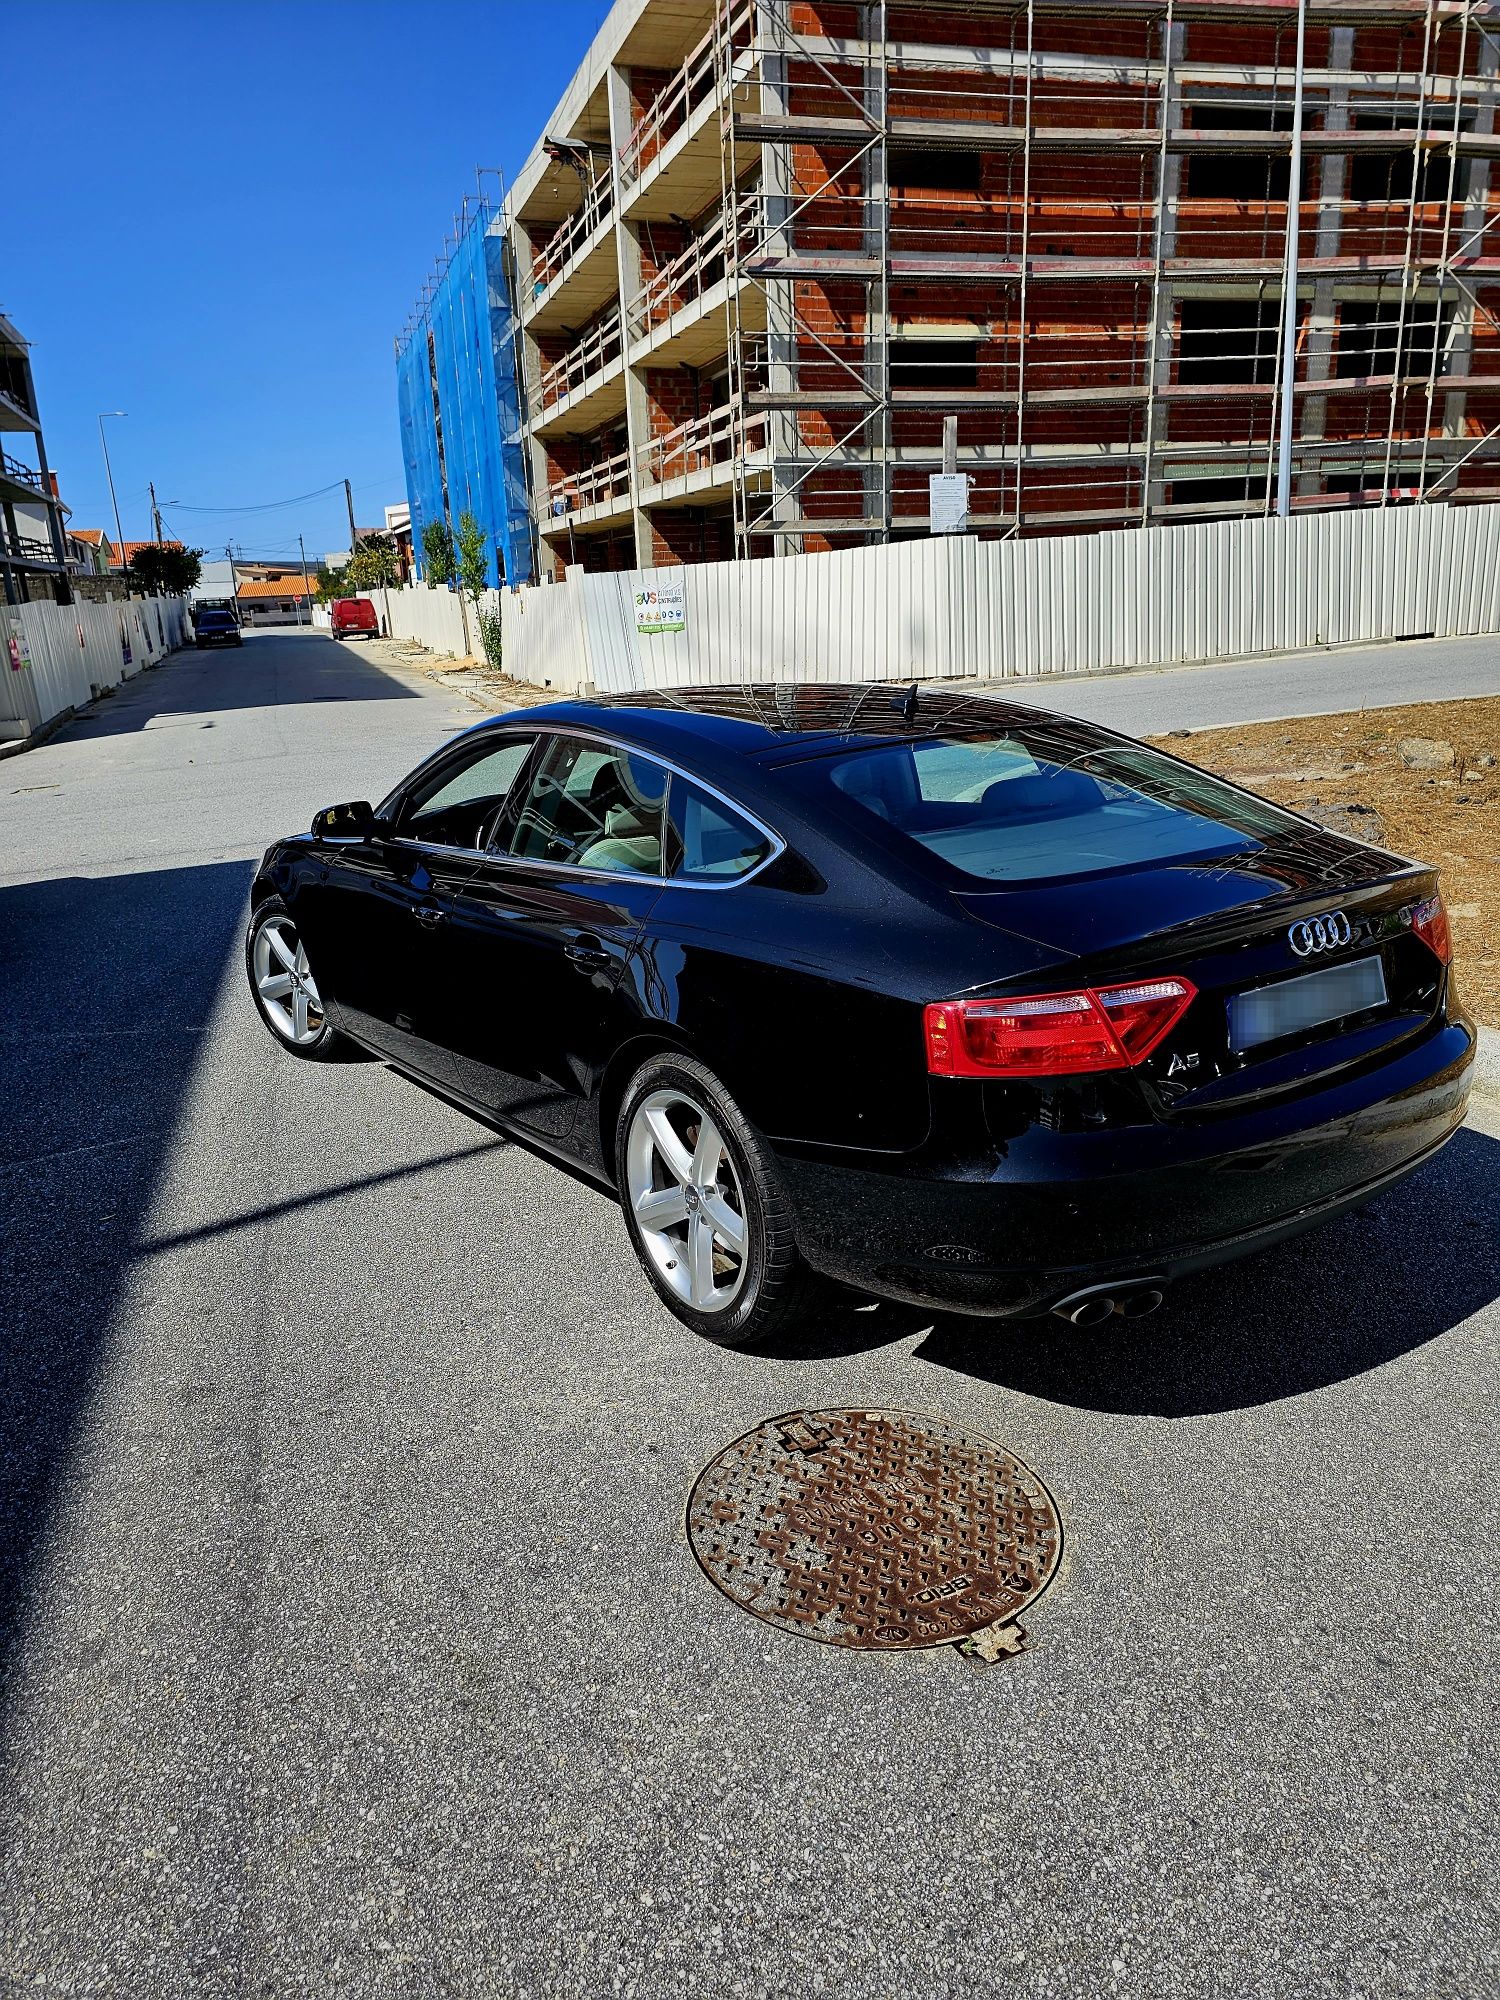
1055, 1034
1430, 922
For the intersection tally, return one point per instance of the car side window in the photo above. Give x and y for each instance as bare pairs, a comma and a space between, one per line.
707, 840
590, 805
457, 805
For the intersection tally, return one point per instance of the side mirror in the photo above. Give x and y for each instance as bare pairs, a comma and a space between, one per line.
355, 821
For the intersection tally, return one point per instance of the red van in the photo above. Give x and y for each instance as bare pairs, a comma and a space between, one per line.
354, 615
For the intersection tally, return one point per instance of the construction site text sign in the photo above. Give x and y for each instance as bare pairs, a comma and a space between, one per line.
948, 502
660, 608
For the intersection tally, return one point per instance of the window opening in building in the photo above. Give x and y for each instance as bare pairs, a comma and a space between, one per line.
1368, 330
934, 364
1387, 177
1227, 340
1247, 176
925, 170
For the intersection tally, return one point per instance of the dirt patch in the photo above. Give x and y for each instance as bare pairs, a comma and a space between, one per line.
477, 679
1385, 775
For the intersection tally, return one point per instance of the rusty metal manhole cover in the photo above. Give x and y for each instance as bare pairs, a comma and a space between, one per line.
880, 1529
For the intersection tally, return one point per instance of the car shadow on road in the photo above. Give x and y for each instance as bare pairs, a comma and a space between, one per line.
190, 686
1331, 1304
108, 985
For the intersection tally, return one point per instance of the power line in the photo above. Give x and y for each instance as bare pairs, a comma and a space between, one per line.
264, 506
295, 500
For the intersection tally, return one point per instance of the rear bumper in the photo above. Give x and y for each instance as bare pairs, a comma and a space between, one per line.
1047, 1214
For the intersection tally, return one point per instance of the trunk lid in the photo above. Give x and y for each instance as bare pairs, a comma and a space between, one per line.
1227, 925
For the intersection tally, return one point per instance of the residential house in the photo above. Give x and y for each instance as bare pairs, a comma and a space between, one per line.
33, 535
275, 597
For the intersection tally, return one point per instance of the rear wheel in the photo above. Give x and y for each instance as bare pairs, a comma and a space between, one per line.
286, 993
704, 1207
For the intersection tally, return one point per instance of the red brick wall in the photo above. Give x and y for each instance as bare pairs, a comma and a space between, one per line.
1080, 332
692, 534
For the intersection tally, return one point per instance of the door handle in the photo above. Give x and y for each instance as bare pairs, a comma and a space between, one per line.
427, 916
587, 953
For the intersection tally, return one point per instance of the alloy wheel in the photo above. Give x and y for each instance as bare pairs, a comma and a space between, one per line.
288, 992
685, 1194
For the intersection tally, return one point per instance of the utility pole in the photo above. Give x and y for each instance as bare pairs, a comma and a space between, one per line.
109, 475
349, 503
155, 510
306, 586
234, 582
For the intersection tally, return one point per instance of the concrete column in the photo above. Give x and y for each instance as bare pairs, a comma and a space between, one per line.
1164, 300
531, 369
628, 265
879, 442
1312, 418
1461, 346
783, 432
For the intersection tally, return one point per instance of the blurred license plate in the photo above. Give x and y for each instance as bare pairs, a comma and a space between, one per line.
1271, 1012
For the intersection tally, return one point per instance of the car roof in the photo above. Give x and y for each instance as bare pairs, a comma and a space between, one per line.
773, 721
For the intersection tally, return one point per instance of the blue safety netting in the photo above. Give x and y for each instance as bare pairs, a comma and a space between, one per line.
460, 410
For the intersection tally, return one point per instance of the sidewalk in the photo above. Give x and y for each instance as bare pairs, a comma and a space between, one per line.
1149, 701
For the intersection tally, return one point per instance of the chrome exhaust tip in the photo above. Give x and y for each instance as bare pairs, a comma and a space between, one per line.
1092, 1311
1136, 1305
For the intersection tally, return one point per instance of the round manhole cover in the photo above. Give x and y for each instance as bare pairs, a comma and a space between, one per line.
881, 1529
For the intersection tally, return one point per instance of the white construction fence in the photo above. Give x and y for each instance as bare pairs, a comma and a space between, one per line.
1068, 604
441, 620
58, 656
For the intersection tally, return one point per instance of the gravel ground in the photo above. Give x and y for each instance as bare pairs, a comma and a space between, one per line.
354, 1645
1422, 780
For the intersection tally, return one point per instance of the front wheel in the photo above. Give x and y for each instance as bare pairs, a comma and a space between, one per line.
704, 1206
285, 991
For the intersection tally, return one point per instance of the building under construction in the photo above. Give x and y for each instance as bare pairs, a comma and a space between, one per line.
766, 249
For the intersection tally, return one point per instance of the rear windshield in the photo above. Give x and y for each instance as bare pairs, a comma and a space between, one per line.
1018, 808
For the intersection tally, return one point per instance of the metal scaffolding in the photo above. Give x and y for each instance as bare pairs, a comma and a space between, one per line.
820, 235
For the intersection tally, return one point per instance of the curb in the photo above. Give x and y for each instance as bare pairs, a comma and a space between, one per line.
1487, 1065
38, 736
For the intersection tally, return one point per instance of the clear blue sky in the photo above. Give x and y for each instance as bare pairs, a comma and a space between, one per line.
221, 213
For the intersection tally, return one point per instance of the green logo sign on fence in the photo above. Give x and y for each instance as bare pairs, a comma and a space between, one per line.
660, 609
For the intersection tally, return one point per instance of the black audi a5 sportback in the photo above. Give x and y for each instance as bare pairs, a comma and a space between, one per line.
951, 1000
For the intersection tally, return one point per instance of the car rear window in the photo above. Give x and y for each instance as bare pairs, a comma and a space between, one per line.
1013, 808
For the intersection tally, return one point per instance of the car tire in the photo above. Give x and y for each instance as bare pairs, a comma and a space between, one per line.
284, 990
683, 1220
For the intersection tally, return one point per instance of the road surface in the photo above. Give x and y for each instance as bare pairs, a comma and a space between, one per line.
354, 1647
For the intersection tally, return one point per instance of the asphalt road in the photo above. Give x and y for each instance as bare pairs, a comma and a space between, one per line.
353, 1645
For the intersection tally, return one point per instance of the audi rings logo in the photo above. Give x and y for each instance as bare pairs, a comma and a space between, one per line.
1317, 934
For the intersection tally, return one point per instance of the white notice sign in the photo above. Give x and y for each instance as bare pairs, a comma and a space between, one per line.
660, 609
948, 502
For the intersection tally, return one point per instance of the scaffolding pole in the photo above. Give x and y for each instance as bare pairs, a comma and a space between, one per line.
1158, 246
1444, 254
1021, 303
1409, 274
1288, 410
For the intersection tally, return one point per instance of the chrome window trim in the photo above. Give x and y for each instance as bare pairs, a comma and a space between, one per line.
435, 847
777, 844
537, 731
398, 792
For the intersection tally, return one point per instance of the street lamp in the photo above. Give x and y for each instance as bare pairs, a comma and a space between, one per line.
103, 446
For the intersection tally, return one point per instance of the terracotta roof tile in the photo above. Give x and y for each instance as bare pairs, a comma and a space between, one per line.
265, 586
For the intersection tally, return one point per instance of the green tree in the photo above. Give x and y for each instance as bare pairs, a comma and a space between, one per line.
437, 553
373, 564
473, 558
490, 638
166, 570
331, 583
